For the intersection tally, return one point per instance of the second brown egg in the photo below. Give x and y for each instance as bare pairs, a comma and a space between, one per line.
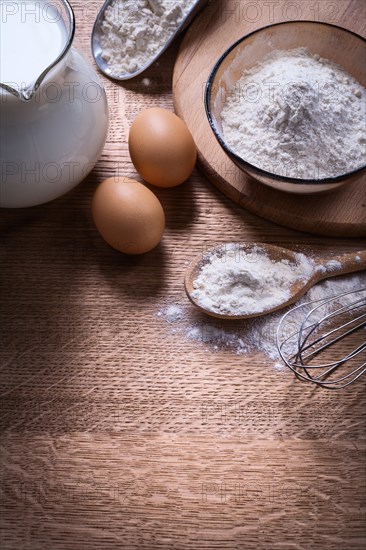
162, 148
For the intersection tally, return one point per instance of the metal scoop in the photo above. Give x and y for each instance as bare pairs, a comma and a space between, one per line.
97, 33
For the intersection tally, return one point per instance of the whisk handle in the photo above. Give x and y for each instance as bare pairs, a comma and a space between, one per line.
342, 264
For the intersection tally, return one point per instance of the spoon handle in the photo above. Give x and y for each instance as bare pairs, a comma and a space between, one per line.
342, 264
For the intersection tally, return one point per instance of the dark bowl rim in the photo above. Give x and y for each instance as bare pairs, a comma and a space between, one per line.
230, 152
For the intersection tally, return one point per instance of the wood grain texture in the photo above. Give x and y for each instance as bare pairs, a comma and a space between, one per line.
119, 433
341, 213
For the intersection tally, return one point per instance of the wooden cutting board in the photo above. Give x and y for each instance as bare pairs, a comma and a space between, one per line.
341, 213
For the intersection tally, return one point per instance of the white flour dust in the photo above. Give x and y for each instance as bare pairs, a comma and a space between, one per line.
297, 115
135, 31
251, 335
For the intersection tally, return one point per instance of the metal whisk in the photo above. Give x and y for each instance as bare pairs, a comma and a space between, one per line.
310, 347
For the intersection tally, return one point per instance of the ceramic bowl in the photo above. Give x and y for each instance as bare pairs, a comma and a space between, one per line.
336, 44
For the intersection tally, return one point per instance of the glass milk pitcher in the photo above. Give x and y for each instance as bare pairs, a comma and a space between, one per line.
54, 112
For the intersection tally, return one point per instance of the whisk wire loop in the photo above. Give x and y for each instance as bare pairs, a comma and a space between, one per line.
307, 341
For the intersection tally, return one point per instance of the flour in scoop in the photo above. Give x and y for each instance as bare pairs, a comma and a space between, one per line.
297, 115
135, 31
244, 282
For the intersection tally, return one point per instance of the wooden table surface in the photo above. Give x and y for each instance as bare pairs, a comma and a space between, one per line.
118, 432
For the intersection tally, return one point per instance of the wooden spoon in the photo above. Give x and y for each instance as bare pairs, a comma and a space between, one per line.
336, 265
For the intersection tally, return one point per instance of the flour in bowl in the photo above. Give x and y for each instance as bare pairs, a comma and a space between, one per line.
297, 115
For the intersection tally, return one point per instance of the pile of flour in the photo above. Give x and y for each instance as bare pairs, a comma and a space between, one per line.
135, 31
297, 115
238, 281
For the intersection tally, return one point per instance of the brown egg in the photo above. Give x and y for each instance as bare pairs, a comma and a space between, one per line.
162, 148
128, 215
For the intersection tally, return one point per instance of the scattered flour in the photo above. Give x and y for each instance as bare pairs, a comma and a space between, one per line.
135, 31
333, 264
173, 313
250, 335
297, 115
238, 281
280, 367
